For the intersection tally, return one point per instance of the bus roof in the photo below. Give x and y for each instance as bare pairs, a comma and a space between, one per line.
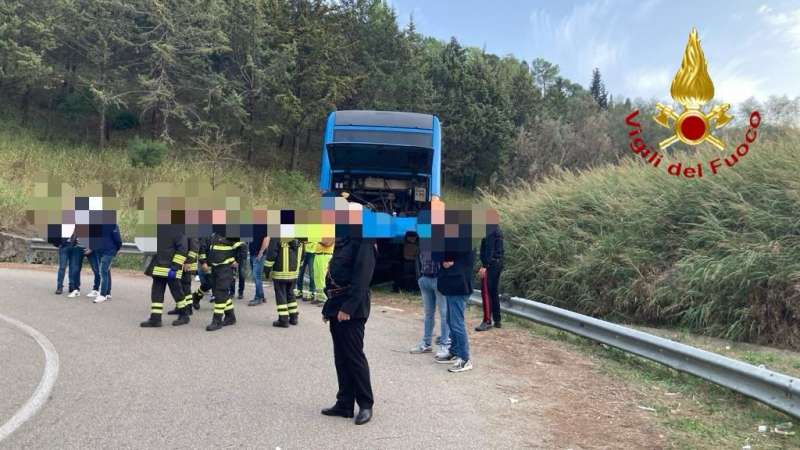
390, 119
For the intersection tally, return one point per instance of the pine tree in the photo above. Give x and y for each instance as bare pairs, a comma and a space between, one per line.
598, 90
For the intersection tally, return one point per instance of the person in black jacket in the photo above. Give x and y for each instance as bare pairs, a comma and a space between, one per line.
347, 309
63, 245
454, 281
492, 255
166, 269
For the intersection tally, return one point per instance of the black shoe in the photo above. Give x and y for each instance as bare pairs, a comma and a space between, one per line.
59, 291
240, 296
196, 303
183, 319
336, 411
230, 319
151, 323
255, 302
364, 416
280, 324
483, 326
173, 312
293, 319
497, 325
216, 323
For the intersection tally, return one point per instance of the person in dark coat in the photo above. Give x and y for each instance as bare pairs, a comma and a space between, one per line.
63, 245
454, 281
492, 255
347, 310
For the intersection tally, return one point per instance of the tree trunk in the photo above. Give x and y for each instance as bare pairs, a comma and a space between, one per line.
295, 151
154, 123
26, 104
102, 127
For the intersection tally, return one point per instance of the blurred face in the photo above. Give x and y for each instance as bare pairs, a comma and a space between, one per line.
492, 217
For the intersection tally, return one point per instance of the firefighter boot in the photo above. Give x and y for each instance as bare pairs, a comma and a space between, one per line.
196, 297
174, 312
230, 318
282, 322
216, 323
183, 317
293, 319
153, 322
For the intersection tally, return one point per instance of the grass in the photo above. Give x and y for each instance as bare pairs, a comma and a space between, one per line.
693, 412
717, 256
26, 157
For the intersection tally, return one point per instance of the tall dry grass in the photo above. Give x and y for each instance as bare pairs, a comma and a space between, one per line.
718, 255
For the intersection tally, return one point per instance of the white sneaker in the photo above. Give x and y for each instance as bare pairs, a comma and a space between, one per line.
443, 351
93, 294
100, 299
75, 293
421, 348
461, 366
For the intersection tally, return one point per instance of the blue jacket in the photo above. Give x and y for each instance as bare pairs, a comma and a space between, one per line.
106, 240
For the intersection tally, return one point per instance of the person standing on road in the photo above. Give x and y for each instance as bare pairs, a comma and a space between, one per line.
454, 281
281, 263
347, 310
241, 263
189, 271
427, 270
78, 250
257, 248
105, 249
309, 248
63, 245
223, 256
320, 261
492, 255
166, 269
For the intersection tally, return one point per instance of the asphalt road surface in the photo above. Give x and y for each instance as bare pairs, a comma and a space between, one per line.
246, 386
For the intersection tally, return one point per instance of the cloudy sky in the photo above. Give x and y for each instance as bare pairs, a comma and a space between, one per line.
752, 47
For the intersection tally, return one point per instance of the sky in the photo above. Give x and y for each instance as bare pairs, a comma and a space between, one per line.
752, 47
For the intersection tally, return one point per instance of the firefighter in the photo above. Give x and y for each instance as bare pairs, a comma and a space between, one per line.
324, 251
166, 269
282, 263
189, 271
205, 276
221, 256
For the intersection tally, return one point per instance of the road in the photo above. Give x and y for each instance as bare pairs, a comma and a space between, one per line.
254, 386
246, 386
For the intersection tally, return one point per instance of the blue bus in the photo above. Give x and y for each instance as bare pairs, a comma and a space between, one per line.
390, 162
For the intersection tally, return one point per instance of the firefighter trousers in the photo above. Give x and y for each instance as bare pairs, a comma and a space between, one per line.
221, 279
284, 300
157, 290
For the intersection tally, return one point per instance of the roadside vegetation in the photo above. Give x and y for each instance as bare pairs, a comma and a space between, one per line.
718, 256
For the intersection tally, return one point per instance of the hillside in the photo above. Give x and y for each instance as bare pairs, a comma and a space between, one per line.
718, 255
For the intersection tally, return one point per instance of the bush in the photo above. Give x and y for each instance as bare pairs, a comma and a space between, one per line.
124, 120
146, 153
718, 255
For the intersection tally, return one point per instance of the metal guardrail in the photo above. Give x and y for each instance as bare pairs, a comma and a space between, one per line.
128, 248
775, 389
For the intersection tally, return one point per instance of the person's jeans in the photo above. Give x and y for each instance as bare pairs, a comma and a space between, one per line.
75, 265
459, 342
308, 263
94, 262
63, 263
257, 269
105, 272
431, 299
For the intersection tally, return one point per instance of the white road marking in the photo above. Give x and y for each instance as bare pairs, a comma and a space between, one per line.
42, 392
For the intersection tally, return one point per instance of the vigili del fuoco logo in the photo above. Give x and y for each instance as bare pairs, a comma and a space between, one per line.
692, 88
